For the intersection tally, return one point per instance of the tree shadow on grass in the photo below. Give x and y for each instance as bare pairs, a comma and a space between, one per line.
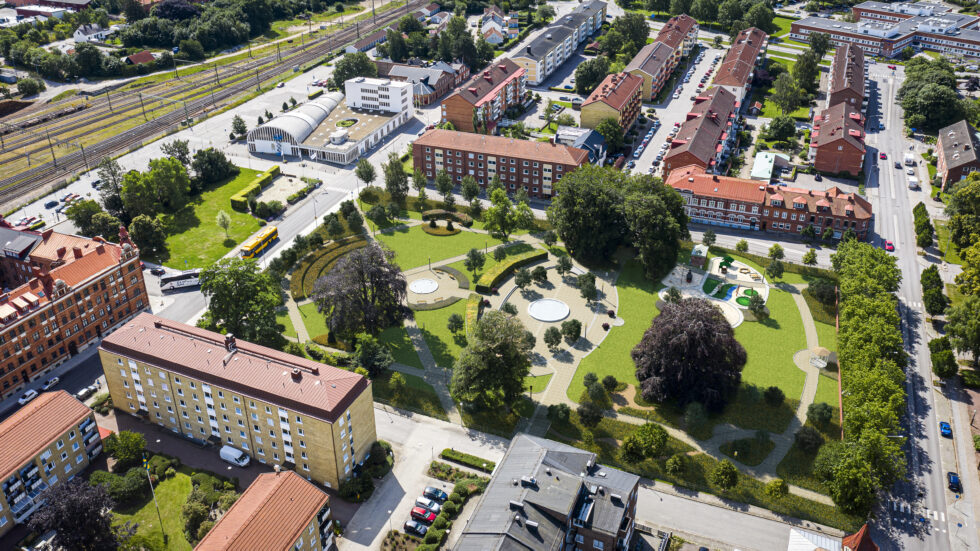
460, 340
770, 323
438, 348
229, 242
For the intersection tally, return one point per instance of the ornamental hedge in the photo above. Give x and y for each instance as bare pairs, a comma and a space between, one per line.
440, 214
239, 201
474, 305
499, 271
469, 460
316, 263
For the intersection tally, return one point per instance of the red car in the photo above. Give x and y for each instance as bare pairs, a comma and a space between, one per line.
892, 67
423, 515
889, 246
882, 156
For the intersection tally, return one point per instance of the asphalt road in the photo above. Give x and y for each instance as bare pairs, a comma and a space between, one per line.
917, 514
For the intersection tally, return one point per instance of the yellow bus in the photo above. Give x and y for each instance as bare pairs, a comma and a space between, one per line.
254, 246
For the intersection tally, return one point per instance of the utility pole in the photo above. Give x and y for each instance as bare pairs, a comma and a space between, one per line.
216, 81
146, 467
109, 100
143, 107
84, 158
51, 147
278, 57
249, 48
374, 14
176, 76
258, 86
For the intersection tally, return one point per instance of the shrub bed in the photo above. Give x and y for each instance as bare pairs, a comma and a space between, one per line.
461, 279
102, 404
441, 214
239, 201
499, 271
303, 192
441, 231
474, 306
471, 461
309, 269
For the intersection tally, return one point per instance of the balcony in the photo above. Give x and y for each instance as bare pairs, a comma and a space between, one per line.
323, 515
86, 424
29, 472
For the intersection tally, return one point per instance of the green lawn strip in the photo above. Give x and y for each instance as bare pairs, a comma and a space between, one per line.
513, 250
946, 246
197, 240
403, 217
282, 317
956, 296
419, 395
710, 284
783, 25
771, 345
401, 346
827, 392
827, 335
638, 307
413, 247
748, 451
499, 422
537, 383
171, 494
771, 110
315, 322
601, 440
445, 346
823, 314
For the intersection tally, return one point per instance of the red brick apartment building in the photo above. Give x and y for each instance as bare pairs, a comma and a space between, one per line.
706, 138
737, 69
837, 140
751, 205
956, 150
846, 82
478, 105
61, 294
619, 97
534, 166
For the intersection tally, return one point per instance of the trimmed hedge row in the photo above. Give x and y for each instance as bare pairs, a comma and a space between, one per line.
436, 305
469, 460
461, 279
239, 201
474, 305
499, 271
440, 214
305, 275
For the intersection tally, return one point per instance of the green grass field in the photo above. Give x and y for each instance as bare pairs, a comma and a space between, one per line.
638, 307
171, 495
771, 110
445, 346
401, 346
413, 247
783, 23
198, 240
827, 391
771, 344
419, 395
946, 246
315, 322
537, 383
827, 335
515, 249
282, 317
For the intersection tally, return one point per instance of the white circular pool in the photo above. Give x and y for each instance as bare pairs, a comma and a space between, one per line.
548, 309
423, 286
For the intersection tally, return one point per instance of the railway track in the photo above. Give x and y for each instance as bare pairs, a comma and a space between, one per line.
236, 79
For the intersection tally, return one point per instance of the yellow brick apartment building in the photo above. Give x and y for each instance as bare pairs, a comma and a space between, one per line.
278, 408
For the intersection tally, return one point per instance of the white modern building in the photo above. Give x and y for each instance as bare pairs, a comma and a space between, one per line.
332, 130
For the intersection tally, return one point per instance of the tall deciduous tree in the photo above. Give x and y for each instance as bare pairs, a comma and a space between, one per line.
242, 300
110, 187
820, 44
396, 181
806, 71
590, 73
210, 165
363, 293
364, 171
80, 515
963, 326
656, 222
689, 354
353, 65
178, 149
418, 184
497, 358
504, 217
148, 234
786, 93
444, 185
612, 132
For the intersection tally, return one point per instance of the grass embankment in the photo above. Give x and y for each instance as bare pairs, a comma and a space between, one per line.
419, 396
444, 345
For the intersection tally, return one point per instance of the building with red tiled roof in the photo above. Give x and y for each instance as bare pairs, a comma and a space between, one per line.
680, 33
752, 205
859, 541
837, 140
314, 418
61, 293
140, 57
44, 443
846, 82
737, 69
521, 164
619, 96
956, 151
479, 104
708, 135
278, 512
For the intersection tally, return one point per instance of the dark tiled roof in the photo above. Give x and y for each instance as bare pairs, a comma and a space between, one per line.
675, 30
651, 58
848, 70
839, 122
488, 80
736, 69
840, 203
959, 143
705, 124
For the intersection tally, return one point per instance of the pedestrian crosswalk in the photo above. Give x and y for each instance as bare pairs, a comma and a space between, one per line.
904, 513
914, 304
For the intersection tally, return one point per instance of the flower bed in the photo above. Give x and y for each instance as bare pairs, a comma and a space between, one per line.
441, 231
440, 214
498, 272
309, 269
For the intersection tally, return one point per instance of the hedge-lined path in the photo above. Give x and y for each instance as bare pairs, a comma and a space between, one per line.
297, 319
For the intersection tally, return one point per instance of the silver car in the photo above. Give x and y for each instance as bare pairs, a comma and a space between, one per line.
429, 504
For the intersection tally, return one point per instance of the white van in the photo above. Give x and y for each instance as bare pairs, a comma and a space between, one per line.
234, 456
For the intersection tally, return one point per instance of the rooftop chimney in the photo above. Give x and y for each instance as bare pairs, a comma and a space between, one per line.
230, 343
77, 251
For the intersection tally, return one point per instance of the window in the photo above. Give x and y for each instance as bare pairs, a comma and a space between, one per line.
597, 544
306, 467
579, 538
79, 458
61, 444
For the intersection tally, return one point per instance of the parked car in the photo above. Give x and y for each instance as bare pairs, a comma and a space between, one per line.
945, 430
954, 484
83, 394
158, 271
889, 246
432, 492
818, 177
416, 528
892, 67
429, 504
910, 171
50, 383
233, 455
563, 98
422, 514
27, 397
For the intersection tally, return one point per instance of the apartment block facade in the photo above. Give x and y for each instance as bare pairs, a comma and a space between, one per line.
63, 293
560, 39
681, 34
654, 63
280, 409
43, 444
378, 94
846, 82
279, 511
750, 205
478, 105
619, 97
520, 164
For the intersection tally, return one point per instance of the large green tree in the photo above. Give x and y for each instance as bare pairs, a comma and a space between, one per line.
590, 73
396, 181
497, 358
963, 326
242, 300
148, 234
80, 515
353, 65
504, 217
612, 132
657, 223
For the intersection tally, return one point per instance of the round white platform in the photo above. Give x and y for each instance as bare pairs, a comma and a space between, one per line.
548, 310
423, 286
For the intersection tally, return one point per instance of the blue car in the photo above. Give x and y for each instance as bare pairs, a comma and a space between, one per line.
945, 429
953, 481
432, 492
